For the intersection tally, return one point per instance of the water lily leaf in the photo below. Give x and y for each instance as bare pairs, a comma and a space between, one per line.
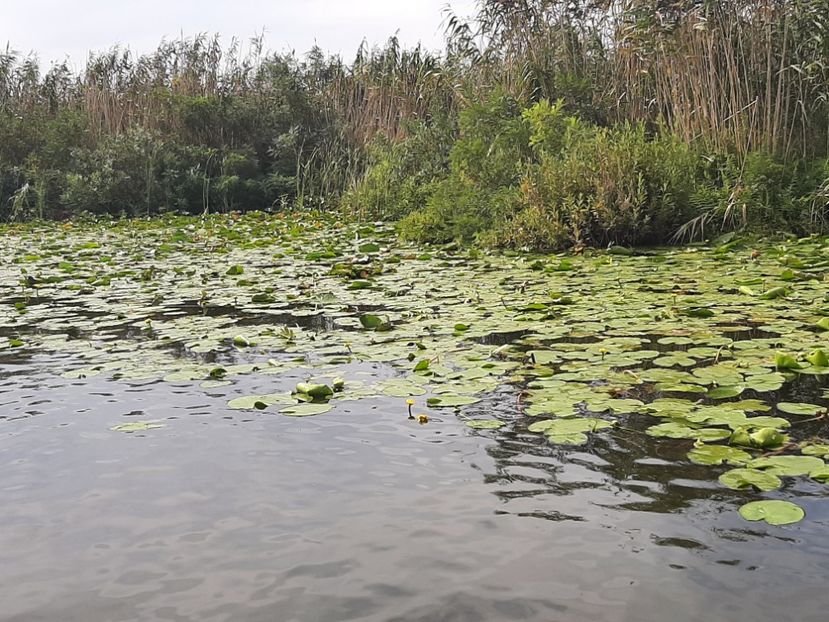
820, 475
215, 384
373, 322
306, 410
777, 423
747, 406
740, 479
137, 426
678, 388
451, 401
262, 298
818, 358
679, 430
804, 410
722, 393
820, 451
718, 454
259, 402
698, 312
766, 438
791, 466
485, 424
401, 388
422, 365
774, 512
775, 293
235, 270
786, 361
315, 391
570, 438
765, 382
823, 323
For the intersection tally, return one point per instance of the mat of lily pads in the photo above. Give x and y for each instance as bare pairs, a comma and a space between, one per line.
722, 349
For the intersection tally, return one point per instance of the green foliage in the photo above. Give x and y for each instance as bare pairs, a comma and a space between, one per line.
185, 128
540, 178
401, 175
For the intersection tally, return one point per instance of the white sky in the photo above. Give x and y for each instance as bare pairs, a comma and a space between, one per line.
57, 29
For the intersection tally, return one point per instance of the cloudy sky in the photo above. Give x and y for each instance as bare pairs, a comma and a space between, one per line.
57, 29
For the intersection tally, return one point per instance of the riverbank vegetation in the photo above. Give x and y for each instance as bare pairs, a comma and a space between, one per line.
544, 124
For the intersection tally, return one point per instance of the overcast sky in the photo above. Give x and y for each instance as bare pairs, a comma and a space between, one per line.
56, 29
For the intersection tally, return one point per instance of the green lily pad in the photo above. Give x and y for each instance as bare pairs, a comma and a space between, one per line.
802, 409
484, 424
791, 466
820, 475
259, 402
678, 430
451, 401
306, 410
774, 512
821, 451
718, 454
137, 426
722, 393
740, 479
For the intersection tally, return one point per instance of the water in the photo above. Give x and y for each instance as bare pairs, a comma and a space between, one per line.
360, 513
363, 515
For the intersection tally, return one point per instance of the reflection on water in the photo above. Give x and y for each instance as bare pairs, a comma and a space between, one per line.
363, 515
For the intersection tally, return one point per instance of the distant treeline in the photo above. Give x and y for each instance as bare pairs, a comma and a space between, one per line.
543, 123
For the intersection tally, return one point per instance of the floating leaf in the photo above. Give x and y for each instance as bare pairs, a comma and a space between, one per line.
306, 410
259, 402
137, 426
422, 365
718, 454
815, 450
804, 410
679, 430
722, 393
485, 424
775, 293
791, 466
786, 361
374, 322
451, 401
315, 391
818, 358
774, 512
740, 479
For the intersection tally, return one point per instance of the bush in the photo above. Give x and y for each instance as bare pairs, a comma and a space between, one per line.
401, 175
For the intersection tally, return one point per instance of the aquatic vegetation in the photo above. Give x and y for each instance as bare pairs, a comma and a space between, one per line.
774, 512
613, 344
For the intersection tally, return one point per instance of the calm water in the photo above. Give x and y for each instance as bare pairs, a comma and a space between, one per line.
362, 515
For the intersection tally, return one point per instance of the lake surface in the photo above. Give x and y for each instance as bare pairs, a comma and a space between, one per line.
133, 488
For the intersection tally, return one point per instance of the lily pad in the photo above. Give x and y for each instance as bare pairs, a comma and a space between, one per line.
485, 424
306, 410
801, 409
788, 465
740, 479
774, 512
137, 426
259, 402
718, 454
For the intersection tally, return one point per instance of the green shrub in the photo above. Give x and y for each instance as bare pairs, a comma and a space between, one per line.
401, 175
